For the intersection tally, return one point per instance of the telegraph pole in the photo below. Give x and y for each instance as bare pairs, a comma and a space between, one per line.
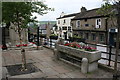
117, 40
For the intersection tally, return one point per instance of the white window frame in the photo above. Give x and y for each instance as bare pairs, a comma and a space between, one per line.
98, 23
77, 23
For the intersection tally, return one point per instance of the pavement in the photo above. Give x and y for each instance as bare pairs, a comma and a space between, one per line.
49, 67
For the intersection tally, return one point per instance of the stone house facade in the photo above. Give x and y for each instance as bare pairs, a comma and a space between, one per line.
94, 27
11, 38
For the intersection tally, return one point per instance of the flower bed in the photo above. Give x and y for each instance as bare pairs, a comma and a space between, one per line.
19, 45
4, 47
76, 45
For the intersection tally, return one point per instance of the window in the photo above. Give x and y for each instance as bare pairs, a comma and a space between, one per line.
64, 21
69, 28
81, 34
93, 37
87, 36
58, 21
78, 23
86, 25
60, 28
101, 37
64, 28
98, 23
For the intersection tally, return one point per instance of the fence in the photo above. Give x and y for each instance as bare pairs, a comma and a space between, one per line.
108, 53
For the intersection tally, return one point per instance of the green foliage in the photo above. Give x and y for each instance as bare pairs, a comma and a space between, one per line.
76, 36
109, 10
106, 10
53, 35
19, 13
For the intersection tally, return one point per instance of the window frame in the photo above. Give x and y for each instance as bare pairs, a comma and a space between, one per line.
78, 25
98, 23
101, 38
87, 35
94, 37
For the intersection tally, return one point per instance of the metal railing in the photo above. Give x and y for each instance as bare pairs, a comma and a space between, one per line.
108, 54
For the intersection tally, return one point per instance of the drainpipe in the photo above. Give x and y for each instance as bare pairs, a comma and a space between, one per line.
106, 26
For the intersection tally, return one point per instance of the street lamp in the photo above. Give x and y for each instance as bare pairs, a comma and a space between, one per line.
4, 47
38, 43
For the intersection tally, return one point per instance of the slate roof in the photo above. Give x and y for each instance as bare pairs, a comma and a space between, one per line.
69, 15
87, 14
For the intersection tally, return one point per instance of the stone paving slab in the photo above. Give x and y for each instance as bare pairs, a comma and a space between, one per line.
4, 72
63, 76
49, 68
61, 69
22, 76
49, 72
38, 75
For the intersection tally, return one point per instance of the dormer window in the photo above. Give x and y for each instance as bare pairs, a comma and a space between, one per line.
78, 23
98, 23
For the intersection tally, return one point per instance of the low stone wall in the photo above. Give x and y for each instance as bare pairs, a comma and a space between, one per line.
89, 59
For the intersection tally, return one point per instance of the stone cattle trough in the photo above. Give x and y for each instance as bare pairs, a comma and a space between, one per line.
87, 61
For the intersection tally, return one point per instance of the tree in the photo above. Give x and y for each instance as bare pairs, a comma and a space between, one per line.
20, 14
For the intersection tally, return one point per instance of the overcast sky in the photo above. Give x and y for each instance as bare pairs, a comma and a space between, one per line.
68, 7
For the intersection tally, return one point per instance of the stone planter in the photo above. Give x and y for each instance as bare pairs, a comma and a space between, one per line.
92, 57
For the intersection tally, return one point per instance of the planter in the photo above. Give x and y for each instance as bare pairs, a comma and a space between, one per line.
92, 57
4, 47
54, 37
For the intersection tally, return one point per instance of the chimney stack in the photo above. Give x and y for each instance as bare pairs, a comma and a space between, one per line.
83, 9
62, 14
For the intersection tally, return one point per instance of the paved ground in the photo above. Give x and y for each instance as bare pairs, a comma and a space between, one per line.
49, 68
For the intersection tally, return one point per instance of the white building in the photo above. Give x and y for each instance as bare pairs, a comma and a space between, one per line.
64, 25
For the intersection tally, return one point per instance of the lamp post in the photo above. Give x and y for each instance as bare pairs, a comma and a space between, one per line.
4, 47
38, 43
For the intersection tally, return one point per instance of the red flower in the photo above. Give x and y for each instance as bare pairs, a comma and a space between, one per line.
21, 45
88, 48
24, 45
32, 42
67, 44
18, 45
76, 45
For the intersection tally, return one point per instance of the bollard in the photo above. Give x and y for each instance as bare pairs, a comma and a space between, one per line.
56, 53
84, 66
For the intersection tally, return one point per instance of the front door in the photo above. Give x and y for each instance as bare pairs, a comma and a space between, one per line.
65, 35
